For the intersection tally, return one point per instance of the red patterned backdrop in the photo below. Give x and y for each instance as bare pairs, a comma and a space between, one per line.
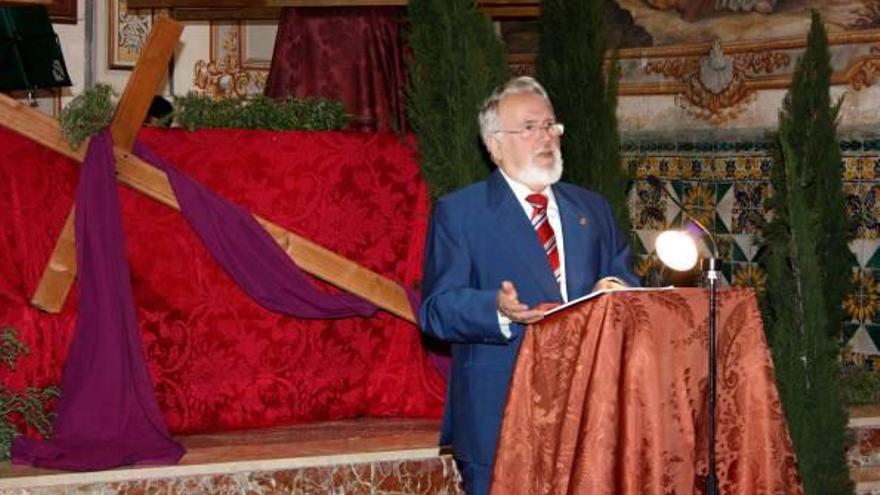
218, 360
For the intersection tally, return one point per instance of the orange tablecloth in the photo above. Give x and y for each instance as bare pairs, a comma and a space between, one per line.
609, 396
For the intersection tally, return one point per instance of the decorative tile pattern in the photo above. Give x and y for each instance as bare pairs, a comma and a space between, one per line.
726, 185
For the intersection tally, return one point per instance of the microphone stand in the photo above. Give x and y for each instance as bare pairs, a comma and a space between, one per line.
711, 267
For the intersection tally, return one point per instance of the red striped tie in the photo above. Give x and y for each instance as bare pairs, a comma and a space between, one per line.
545, 231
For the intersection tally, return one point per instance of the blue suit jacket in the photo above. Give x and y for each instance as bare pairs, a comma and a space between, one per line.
478, 237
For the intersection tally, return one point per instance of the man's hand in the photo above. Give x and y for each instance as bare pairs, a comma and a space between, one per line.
609, 283
508, 305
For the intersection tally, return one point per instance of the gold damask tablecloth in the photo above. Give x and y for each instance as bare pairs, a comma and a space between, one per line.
609, 397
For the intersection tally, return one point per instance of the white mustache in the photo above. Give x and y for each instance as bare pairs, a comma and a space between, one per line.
540, 176
554, 150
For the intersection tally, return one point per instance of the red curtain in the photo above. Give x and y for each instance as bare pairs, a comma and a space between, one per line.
350, 54
219, 360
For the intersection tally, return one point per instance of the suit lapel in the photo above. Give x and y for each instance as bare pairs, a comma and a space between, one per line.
575, 229
518, 237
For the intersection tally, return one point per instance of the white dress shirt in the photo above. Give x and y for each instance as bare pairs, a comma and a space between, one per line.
521, 192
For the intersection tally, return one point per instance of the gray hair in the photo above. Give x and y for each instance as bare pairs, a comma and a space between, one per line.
488, 117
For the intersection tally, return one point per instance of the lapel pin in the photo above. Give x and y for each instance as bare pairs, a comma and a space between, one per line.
583, 221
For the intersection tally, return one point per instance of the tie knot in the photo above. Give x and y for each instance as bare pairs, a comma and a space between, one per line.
538, 201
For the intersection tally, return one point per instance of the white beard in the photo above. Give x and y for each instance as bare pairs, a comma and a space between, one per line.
535, 175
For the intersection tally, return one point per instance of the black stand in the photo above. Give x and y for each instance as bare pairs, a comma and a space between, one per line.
30, 53
711, 268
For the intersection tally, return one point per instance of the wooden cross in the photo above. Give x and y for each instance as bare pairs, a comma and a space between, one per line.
60, 271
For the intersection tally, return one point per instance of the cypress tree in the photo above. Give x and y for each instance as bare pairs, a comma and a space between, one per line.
570, 64
457, 60
808, 269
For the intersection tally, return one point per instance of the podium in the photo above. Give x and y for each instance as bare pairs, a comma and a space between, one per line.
609, 396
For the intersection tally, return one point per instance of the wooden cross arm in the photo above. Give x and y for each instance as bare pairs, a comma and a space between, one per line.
311, 257
145, 178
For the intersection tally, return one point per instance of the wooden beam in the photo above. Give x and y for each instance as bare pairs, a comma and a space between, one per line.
148, 180
271, 9
60, 271
257, 13
243, 4
310, 257
143, 84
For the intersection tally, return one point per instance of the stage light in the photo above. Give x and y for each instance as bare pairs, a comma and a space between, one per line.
677, 250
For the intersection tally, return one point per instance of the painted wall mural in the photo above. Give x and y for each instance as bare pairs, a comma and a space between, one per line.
712, 57
671, 22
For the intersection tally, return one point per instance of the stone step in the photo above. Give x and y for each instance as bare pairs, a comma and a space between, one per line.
381, 456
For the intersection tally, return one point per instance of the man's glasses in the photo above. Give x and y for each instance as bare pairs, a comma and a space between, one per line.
530, 130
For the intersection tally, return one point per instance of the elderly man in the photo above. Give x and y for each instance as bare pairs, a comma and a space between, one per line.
498, 252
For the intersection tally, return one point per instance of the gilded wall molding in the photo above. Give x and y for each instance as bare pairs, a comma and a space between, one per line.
716, 81
864, 72
715, 86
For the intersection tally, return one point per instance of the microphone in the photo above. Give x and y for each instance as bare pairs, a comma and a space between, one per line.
656, 183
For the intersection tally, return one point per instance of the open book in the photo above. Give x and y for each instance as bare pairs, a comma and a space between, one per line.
598, 293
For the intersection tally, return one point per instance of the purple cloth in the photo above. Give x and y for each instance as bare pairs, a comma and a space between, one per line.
107, 415
250, 255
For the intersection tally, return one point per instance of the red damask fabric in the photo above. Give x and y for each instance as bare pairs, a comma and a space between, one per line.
609, 397
351, 54
220, 361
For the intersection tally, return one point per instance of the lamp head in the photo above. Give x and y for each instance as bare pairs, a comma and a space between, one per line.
677, 250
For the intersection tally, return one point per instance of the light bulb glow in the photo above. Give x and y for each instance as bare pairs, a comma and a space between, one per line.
677, 250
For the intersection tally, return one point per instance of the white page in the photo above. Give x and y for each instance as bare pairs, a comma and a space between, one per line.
604, 291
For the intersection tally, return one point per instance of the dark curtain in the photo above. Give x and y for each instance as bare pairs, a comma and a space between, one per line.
350, 54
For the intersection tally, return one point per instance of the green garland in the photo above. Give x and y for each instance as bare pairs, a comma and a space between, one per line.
88, 113
93, 109
259, 112
29, 406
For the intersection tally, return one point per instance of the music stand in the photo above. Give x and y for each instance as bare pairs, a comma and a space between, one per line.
30, 53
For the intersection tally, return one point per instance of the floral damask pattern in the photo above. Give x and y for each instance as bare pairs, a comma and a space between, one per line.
218, 360
609, 397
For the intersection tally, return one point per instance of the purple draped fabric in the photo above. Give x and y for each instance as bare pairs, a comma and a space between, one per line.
107, 415
250, 255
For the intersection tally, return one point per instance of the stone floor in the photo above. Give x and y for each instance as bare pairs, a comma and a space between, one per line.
376, 456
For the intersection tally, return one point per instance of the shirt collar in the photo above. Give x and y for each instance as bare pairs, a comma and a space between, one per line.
520, 190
